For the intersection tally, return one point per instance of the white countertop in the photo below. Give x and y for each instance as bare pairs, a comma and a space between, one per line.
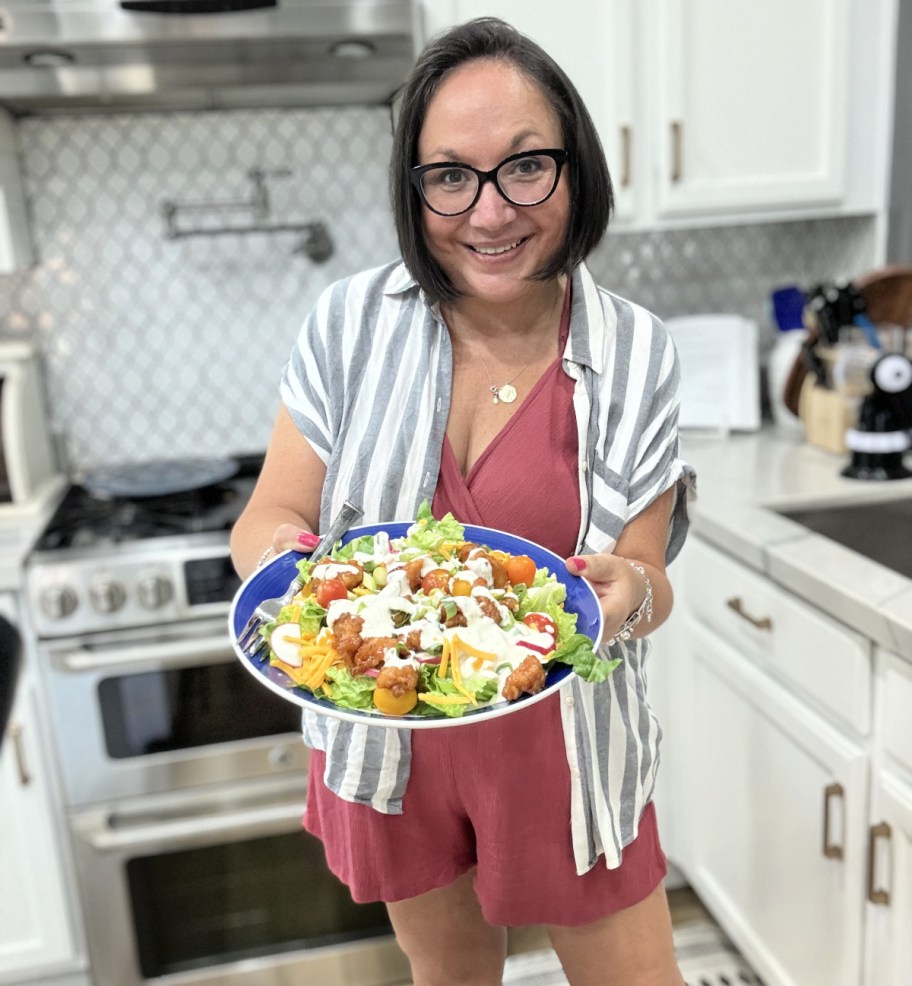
741, 476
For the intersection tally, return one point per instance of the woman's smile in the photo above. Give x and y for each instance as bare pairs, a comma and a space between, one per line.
498, 251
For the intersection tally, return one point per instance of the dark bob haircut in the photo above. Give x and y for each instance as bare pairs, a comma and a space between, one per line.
591, 195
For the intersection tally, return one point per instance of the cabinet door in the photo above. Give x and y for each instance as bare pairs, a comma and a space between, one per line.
752, 104
779, 812
35, 930
15, 241
889, 915
593, 42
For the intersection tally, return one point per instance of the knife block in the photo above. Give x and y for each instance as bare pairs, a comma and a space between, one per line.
826, 415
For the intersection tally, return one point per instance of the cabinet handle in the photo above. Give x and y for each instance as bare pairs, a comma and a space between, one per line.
830, 849
761, 623
625, 156
676, 167
879, 831
14, 735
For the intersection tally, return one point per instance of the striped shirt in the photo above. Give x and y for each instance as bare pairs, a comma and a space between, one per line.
368, 385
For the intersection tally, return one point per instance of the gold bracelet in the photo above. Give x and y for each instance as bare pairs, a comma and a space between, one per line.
624, 631
264, 557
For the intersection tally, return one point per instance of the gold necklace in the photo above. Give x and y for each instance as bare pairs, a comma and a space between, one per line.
506, 392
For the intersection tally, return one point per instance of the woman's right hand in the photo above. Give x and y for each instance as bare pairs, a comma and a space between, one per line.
289, 537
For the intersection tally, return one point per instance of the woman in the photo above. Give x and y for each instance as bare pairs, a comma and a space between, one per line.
489, 374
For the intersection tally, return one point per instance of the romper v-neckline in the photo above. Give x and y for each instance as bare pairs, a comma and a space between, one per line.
449, 456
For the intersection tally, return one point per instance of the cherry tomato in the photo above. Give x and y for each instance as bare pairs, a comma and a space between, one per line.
542, 623
395, 705
330, 589
436, 578
520, 569
461, 587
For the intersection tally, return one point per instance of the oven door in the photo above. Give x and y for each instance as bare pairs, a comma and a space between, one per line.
162, 709
222, 888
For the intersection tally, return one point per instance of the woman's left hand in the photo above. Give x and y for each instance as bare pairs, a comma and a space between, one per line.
617, 578
619, 586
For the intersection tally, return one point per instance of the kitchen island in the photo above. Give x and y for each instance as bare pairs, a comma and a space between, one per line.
783, 681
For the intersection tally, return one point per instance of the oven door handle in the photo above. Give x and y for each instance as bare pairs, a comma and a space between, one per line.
172, 654
118, 832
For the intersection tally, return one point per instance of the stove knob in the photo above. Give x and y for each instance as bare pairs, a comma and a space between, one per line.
58, 602
154, 591
107, 596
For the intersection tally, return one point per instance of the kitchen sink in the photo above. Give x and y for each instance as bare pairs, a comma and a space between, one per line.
879, 530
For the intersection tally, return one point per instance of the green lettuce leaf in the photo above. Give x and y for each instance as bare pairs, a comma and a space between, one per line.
312, 616
580, 655
343, 688
428, 534
364, 544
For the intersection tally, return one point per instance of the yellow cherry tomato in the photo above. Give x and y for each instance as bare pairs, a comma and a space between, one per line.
395, 705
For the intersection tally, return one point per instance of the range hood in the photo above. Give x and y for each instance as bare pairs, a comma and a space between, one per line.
135, 55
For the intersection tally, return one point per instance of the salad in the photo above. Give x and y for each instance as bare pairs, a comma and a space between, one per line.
427, 624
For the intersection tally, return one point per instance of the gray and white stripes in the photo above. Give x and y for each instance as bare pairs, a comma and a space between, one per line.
368, 385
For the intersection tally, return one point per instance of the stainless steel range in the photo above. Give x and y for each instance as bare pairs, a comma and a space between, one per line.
184, 781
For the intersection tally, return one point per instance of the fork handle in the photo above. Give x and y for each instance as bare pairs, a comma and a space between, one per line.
344, 519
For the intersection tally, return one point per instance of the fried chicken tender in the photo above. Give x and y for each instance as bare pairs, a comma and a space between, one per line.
456, 620
347, 635
398, 680
413, 573
371, 654
349, 573
412, 640
488, 607
527, 679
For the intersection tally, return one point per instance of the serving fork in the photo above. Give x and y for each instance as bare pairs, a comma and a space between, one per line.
250, 639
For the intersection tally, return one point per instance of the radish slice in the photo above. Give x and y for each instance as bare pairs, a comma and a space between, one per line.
286, 649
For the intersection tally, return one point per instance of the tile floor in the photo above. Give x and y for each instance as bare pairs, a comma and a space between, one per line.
705, 956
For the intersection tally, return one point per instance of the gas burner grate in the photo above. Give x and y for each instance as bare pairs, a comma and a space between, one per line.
84, 520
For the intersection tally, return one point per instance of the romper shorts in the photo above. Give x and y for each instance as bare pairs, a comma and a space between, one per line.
493, 796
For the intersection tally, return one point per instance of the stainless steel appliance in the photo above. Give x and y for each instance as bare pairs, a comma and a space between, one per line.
183, 780
115, 55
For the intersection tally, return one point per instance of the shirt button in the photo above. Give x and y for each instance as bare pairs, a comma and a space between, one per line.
570, 702
575, 771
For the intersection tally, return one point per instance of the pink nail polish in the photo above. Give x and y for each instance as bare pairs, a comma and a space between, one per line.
308, 540
577, 564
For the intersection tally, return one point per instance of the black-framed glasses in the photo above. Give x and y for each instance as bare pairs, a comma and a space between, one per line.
450, 188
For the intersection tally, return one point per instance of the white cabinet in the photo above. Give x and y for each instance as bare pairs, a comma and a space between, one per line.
889, 870
752, 104
889, 892
37, 937
793, 762
779, 809
15, 241
715, 112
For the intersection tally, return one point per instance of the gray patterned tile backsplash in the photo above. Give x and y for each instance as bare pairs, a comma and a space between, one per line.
159, 347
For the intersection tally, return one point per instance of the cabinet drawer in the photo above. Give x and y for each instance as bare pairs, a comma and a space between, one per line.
895, 703
793, 641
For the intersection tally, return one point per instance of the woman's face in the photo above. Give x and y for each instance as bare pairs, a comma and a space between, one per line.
482, 113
